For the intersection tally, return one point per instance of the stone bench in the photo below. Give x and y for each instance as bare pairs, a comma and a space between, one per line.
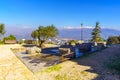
66, 54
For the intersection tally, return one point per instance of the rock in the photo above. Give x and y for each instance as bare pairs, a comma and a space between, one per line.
33, 50
37, 49
64, 51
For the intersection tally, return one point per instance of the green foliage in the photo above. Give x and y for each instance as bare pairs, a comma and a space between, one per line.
34, 34
43, 33
115, 64
113, 40
53, 68
1, 42
96, 36
2, 29
50, 42
10, 37
72, 42
62, 77
28, 41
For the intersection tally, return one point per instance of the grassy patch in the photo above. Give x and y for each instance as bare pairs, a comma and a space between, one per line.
61, 77
115, 64
53, 68
14, 50
72, 76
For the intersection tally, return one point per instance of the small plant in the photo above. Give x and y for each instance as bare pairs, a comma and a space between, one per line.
53, 68
37, 51
61, 77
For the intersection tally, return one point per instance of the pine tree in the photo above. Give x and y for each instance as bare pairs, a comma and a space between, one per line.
96, 34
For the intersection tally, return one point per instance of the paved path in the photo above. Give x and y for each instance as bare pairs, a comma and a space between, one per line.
11, 68
37, 63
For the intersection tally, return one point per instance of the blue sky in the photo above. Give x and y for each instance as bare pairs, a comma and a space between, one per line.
61, 13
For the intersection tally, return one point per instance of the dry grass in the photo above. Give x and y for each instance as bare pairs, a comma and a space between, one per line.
67, 71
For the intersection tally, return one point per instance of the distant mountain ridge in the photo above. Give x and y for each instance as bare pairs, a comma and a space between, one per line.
70, 33
76, 33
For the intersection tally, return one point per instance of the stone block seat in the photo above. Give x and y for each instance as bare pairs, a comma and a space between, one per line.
66, 52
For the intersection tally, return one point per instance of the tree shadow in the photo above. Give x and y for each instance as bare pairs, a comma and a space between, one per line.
51, 50
98, 65
47, 59
93, 68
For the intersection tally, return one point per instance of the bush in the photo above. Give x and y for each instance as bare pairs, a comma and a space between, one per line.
1, 42
72, 42
10, 37
113, 40
50, 42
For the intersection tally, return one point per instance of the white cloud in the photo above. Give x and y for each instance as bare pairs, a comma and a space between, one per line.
79, 27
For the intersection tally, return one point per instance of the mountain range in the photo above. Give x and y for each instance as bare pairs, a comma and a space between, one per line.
69, 33
76, 33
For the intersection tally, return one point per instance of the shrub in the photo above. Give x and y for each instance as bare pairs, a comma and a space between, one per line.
1, 42
113, 40
72, 42
50, 42
10, 37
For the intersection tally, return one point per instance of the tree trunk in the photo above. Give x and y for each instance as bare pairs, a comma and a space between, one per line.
41, 44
